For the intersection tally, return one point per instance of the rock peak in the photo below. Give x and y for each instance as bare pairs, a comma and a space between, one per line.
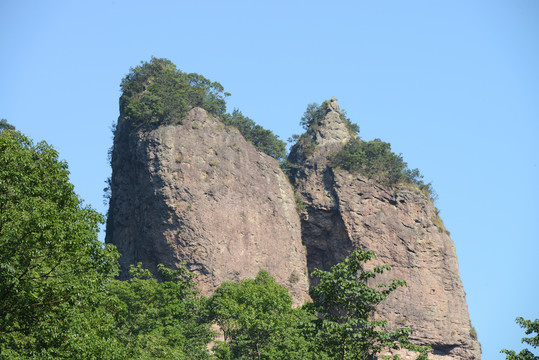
332, 131
327, 133
333, 106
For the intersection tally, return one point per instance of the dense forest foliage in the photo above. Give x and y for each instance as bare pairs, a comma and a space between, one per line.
53, 270
59, 298
157, 93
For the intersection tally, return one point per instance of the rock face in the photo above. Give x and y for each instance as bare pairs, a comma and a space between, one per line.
347, 211
199, 193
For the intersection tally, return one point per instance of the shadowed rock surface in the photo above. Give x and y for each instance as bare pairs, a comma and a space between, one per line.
199, 193
347, 211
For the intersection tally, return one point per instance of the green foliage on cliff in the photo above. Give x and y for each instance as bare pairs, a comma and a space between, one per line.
265, 140
157, 93
530, 327
315, 113
375, 160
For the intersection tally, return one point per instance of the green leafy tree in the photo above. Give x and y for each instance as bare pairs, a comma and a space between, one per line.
156, 93
258, 321
160, 320
313, 115
530, 328
4, 125
53, 270
346, 328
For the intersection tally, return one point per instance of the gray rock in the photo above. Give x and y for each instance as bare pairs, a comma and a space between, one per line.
200, 193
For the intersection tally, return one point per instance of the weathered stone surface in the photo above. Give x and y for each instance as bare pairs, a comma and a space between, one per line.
199, 193
347, 212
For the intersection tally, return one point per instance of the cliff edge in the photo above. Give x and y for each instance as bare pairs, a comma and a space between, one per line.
345, 211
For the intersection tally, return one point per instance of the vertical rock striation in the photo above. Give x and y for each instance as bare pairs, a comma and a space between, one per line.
347, 211
199, 193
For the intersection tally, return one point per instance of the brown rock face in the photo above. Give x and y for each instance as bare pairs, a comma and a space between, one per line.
199, 193
347, 212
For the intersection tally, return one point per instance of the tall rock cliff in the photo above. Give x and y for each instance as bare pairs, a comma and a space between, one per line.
198, 192
346, 211
187, 188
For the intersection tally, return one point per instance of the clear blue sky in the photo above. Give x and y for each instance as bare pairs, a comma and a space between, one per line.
452, 85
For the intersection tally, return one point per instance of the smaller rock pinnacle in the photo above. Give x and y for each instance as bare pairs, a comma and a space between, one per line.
333, 104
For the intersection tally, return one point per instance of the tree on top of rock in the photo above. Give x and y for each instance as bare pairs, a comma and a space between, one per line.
156, 93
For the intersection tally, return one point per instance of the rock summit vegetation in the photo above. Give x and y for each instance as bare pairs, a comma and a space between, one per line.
156, 93
373, 159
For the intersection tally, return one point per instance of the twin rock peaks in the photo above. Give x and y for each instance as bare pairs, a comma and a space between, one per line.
199, 193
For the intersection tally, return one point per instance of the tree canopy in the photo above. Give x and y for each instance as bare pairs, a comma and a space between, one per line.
161, 320
53, 270
4, 125
156, 93
345, 304
254, 315
530, 328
